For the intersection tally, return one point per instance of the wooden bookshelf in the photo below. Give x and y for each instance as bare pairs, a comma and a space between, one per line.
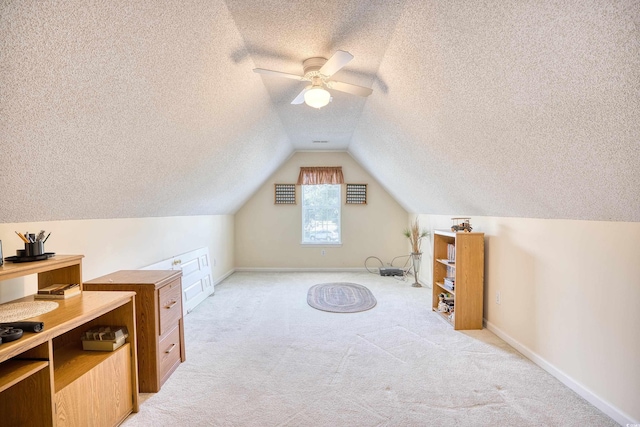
468, 270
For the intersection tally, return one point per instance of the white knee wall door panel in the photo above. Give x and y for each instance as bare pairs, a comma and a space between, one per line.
196, 276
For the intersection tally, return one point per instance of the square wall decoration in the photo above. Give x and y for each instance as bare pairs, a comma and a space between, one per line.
356, 194
285, 194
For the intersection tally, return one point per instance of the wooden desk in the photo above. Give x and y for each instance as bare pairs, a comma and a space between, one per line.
46, 379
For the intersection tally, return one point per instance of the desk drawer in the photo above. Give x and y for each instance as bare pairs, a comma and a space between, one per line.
169, 351
170, 309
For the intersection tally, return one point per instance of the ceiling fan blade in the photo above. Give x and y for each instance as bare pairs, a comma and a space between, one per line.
277, 73
300, 98
337, 61
349, 88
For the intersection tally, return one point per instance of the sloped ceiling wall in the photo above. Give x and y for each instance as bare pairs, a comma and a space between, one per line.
129, 109
151, 108
525, 109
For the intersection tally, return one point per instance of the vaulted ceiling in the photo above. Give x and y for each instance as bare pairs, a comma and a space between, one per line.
151, 108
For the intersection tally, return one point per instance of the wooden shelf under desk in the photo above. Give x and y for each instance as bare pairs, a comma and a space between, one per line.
14, 371
71, 313
71, 362
92, 385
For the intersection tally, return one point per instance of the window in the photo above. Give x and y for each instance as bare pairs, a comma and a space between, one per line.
321, 214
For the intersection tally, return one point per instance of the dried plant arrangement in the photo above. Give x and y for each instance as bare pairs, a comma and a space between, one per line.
415, 236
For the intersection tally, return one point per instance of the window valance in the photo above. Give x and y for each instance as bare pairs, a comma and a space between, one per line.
320, 175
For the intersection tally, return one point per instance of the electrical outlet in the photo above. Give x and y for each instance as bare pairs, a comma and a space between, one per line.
323, 252
214, 262
498, 297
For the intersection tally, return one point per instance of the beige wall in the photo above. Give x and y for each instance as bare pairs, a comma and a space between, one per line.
570, 298
570, 290
269, 236
123, 244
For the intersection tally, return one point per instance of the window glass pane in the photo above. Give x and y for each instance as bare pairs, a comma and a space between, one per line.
321, 214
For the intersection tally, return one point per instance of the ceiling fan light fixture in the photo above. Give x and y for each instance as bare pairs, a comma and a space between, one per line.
317, 97
318, 71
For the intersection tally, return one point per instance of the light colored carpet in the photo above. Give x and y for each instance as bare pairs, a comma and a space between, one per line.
258, 355
340, 297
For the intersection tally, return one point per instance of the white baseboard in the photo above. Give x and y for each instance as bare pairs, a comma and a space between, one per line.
616, 414
224, 276
302, 270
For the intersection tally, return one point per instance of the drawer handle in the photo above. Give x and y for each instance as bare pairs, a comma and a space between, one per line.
170, 348
171, 305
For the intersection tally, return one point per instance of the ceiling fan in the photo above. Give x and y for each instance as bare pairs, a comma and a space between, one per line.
318, 71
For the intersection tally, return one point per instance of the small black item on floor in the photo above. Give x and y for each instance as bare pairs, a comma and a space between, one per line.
390, 271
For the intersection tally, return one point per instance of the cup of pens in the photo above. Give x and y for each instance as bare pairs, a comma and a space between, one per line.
33, 245
34, 249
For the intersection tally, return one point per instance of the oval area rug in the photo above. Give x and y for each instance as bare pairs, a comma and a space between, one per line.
341, 297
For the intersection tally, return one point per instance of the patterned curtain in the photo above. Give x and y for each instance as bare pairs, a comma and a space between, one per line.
321, 175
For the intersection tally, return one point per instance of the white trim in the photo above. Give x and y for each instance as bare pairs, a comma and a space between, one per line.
224, 276
304, 270
616, 414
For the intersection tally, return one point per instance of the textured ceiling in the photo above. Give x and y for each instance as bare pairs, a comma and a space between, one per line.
151, 108
526, 109
280, 35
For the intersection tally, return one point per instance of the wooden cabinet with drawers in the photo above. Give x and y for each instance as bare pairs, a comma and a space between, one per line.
159, 322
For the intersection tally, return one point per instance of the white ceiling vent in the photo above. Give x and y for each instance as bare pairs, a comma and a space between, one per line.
320, 142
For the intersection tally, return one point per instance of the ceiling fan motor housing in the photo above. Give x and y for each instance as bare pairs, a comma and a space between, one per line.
311, 67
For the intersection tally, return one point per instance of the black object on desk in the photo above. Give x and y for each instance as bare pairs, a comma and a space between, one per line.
17, 259
25, 326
